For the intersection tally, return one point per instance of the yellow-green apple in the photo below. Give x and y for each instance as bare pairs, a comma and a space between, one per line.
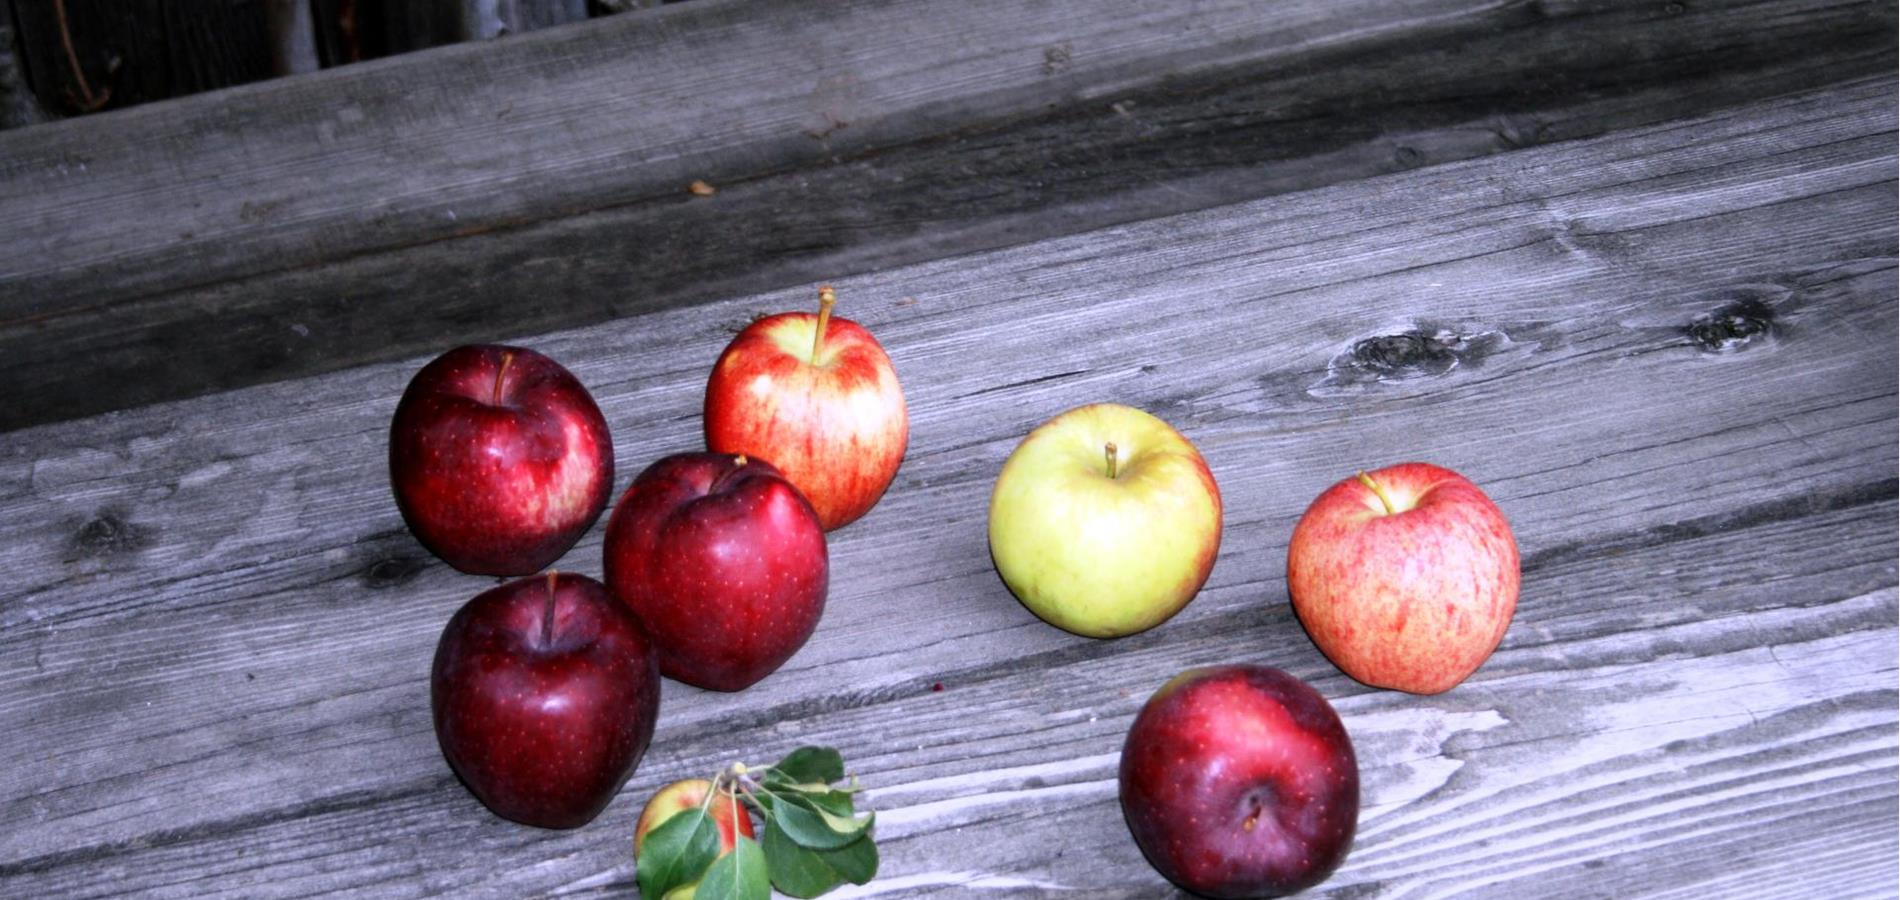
1240, 781
499, 459
723, 562
727, 812
1406, 577
816, 396
1105, 521
544, 692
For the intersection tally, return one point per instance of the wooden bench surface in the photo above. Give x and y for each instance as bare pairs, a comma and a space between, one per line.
374, 213
1672, 362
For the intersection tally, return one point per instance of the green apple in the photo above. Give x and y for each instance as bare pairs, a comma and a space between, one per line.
1105, 521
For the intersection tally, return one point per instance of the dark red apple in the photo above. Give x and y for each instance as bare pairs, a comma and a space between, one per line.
545, 694
724, 563
499, 459
1240, 781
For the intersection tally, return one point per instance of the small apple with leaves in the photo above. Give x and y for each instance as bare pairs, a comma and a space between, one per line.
814, 838
695, 795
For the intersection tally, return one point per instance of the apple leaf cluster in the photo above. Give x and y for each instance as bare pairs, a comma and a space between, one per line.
814, 838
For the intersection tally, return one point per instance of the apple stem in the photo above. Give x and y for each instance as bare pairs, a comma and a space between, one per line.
827, 298
1384, 499
507, 358
1108, 451
547, 611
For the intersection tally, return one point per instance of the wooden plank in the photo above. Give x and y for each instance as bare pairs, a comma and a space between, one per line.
216, 653
325, 257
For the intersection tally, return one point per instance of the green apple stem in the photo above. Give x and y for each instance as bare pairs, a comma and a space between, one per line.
1384, 498
547, 611
1108, 451
827, 298
507, 358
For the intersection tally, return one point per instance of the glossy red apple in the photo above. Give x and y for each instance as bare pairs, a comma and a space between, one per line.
499, 459
1240, 781
545, 693
816, 396
1405, 577
724, 563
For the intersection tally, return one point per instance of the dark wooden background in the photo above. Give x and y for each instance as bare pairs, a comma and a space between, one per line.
1631, 267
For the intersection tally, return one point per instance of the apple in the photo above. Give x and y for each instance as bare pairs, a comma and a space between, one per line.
545, 693
814, 395
723, 562
499, 459
728, 813
1105, 521
1405, 577
1240, 781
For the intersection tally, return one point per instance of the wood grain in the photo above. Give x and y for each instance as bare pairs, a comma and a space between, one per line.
293, 241
1669, 354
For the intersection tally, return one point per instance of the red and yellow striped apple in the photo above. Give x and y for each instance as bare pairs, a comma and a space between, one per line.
1405, 577
817, 397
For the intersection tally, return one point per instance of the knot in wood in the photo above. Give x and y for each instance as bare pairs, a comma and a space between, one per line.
107, 533
1404, 355
1733, 326
392, 571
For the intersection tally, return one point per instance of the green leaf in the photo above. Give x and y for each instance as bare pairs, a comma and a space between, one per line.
676, 852
778, 782
837, 803
812, 764
796, 871
815, 828
855, 862
739, 875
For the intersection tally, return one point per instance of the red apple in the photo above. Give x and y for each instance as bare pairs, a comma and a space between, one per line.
499, 459
1240, 781
1405, 577
728, 812
724, 563
815, 396
545, 692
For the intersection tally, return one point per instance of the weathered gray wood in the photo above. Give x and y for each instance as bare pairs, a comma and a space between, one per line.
297, 255
213, 658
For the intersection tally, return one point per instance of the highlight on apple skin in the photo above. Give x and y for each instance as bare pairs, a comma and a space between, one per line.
1240, 781
817, 397
1406, 577
1105, 521
499, 459
544, 694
